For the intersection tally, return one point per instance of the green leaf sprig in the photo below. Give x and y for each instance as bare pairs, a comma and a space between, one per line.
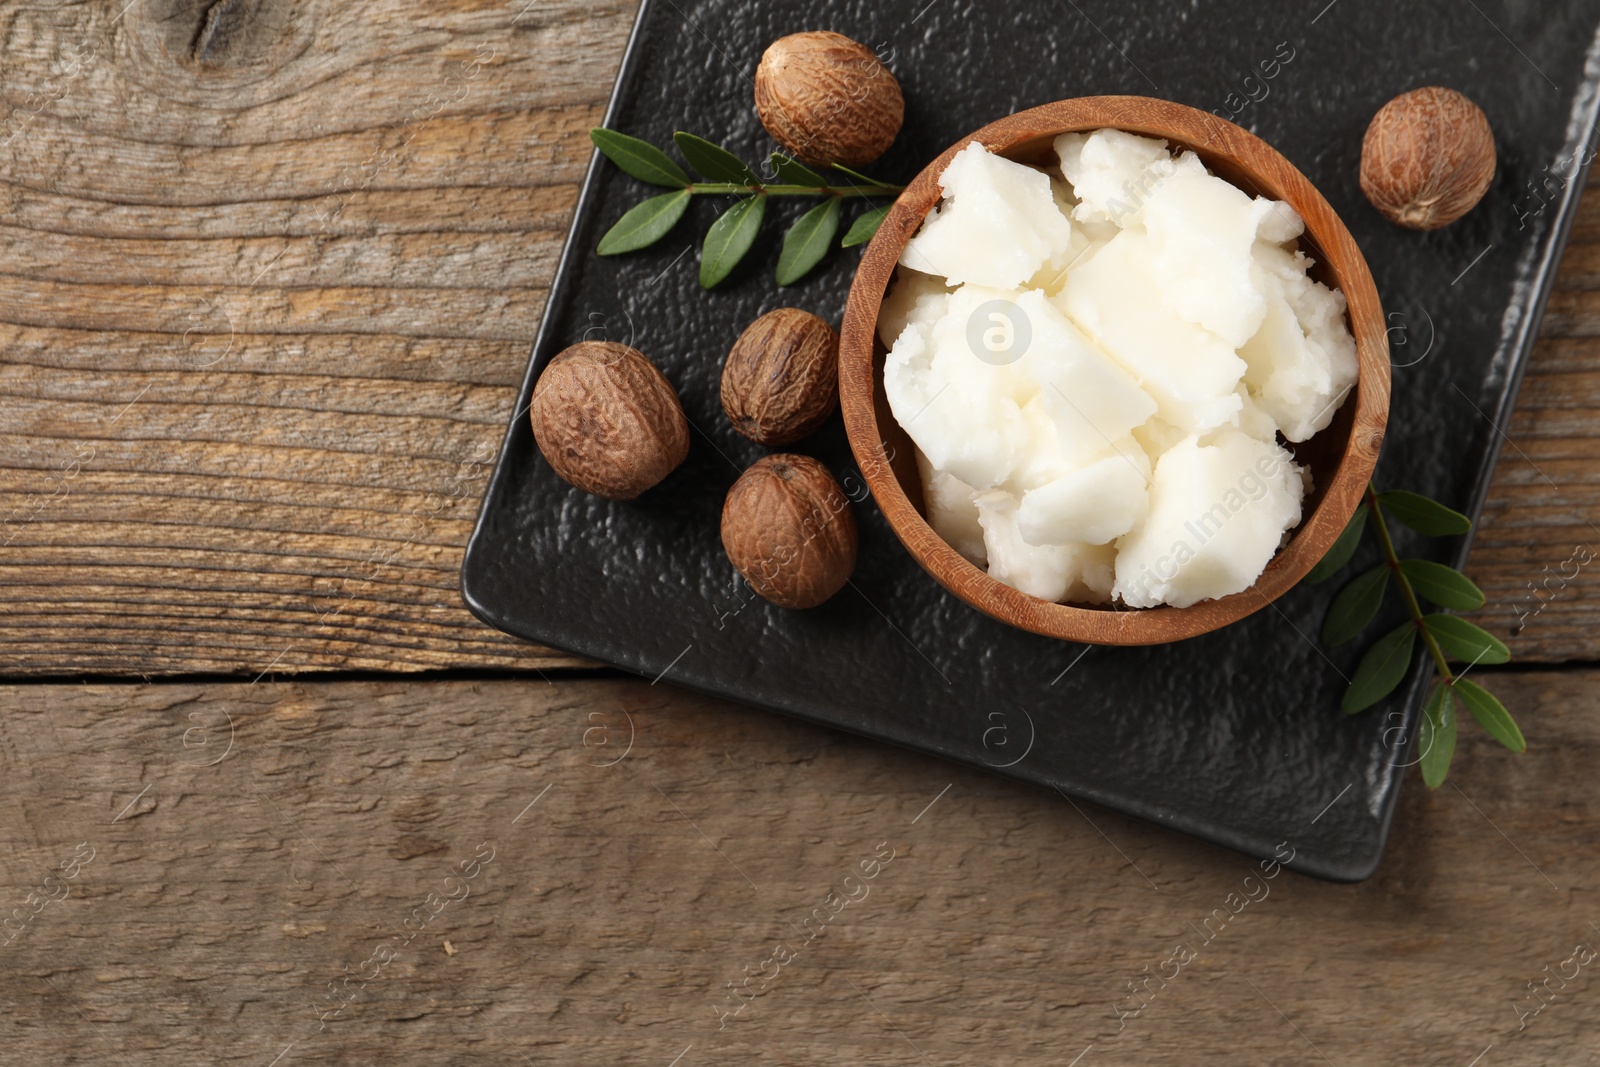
1448, 638
734, 233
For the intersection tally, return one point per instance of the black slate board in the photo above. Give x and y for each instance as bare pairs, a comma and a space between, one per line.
1235, 737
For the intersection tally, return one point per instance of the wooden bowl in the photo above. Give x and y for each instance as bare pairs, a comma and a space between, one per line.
1341, 457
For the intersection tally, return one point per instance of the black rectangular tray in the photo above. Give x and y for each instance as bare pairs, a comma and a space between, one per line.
1235, 737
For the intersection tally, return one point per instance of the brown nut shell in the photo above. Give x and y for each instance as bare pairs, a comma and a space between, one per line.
1428, 158
828, 99
607, 421
788, 528
781, 381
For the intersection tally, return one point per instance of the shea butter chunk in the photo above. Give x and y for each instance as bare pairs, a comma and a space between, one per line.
1093, 505
947, 503
1202, 231
1253, 418
1117, 299
1097, 573
997, 226
1048, 571
1090, 398
913, 298
1302, 361
1112, 172
1218, 513
1044, 460
964, 413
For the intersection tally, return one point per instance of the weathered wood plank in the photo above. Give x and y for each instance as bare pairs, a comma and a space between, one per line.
1542, 518
251, 843
269, 271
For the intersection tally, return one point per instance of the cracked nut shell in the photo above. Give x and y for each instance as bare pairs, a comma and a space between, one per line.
607, 421
828, 99
781, 381
788, 528
1428, 158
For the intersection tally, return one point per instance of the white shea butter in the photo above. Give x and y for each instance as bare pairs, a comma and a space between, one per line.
1093, 505
1044, 571
915, 298
998, 224
1302, 362
947, 501
1189, 370
1099, 365
1217, 515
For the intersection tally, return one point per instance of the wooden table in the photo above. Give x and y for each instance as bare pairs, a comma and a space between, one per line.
270, 273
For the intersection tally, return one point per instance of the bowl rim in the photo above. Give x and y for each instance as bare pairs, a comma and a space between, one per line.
1274, 176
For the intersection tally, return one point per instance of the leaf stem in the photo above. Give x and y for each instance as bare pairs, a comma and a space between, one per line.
793, 190
1410, 595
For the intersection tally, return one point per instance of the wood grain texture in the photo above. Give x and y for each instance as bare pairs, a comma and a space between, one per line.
253, 844
269, 272
1542, 518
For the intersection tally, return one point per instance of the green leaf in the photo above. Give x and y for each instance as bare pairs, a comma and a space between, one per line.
1445, 586
808, 241
1438, 735
639, 158
715, 162
1491, 714
865, 227
729, 238
793, 172
1422, 514
1465, 641
1342, 549
875, 183
645, 223
1381, 669
1355, 606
